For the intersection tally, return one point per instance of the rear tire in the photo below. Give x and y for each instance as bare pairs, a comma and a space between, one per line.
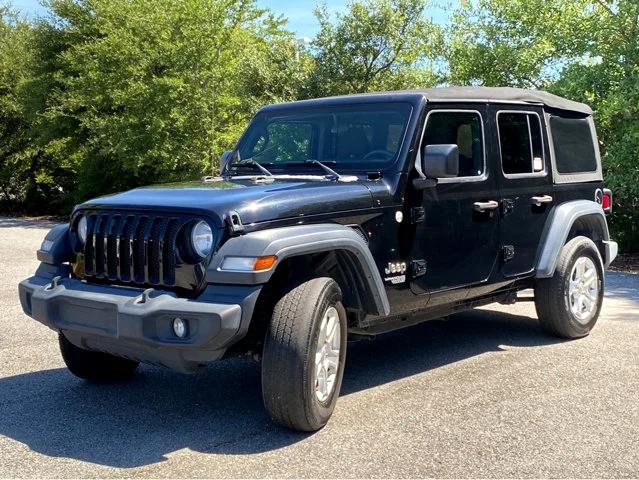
304, 353
95, 367
568, 303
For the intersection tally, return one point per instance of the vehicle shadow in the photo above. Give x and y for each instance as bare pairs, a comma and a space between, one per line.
220, 410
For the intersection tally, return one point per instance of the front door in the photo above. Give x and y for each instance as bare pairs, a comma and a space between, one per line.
525, 186
457, 240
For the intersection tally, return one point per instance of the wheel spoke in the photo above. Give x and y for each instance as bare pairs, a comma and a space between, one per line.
574, 287
327, 354
576, 304
322, 331
331, 328
320, 383
587, 304
583, 289
331, 363
590, 279
581, 268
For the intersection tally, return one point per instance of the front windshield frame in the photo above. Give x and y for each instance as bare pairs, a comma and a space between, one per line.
268, 116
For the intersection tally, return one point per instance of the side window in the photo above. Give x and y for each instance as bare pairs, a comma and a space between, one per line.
463, 129
521, 143
573, 145
284, 142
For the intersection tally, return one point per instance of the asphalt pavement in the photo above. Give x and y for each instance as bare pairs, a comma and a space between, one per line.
479, 394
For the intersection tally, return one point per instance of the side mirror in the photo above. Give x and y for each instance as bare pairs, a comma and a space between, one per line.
440, 161
225, 158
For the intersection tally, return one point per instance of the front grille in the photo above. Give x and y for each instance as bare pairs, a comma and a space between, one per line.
138, 248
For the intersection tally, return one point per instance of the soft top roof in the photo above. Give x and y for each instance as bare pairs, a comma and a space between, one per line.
450, 95
504, 94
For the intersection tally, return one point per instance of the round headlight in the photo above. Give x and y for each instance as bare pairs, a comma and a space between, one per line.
202, 238
82, 230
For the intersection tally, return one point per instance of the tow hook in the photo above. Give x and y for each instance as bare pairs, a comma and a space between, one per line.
144, 297
54, 283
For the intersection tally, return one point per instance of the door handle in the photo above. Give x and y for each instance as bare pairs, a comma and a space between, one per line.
483, 206
538, 201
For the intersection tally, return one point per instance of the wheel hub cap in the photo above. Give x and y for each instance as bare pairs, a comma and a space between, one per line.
583, 293
327, 354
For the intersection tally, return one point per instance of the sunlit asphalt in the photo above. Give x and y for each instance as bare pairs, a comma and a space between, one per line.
481, 394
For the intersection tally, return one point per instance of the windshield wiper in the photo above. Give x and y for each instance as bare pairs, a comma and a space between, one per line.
253, 163
332, 173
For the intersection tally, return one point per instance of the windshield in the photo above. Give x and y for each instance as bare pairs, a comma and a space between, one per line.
352, 137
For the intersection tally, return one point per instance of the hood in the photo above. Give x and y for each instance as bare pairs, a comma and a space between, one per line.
255, 202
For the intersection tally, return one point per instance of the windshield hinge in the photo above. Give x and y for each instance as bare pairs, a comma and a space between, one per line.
234, 223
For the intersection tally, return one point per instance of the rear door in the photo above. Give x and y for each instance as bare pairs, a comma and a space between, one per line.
525, 185
457, 243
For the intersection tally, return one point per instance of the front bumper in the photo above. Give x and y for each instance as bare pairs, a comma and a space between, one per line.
121, 321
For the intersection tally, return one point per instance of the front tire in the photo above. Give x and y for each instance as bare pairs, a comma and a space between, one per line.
96, 367
304, 353
568, 303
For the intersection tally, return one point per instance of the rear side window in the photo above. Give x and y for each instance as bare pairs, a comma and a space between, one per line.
463, 129
573, 144
521, 143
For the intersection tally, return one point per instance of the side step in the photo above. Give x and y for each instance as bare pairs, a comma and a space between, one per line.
521, 296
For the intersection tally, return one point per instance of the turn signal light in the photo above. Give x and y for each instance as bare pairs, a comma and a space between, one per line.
264, 263
248, 264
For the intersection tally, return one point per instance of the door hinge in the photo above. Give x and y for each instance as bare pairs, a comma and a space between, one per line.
508, 252
417, 214
418, 268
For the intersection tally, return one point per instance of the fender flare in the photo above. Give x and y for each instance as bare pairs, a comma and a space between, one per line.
287, 242
557, 229
56, 246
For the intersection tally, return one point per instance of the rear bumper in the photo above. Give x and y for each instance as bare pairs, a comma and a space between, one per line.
119, 321
611, 251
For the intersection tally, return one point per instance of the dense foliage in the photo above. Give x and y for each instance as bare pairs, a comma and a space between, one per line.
105, 95
582, 49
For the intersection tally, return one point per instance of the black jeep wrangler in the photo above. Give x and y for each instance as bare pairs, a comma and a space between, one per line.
340, 216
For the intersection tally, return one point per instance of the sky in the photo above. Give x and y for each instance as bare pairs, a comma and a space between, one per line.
299, 12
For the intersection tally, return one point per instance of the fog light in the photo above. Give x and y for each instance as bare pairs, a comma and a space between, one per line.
180, 327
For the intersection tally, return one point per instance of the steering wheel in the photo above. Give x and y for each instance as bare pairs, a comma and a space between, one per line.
381, 154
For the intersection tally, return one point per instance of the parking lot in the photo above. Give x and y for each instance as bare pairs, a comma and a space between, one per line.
480, 394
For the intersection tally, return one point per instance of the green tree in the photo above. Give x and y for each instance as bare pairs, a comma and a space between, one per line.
15, 155
586, 50
130, 93
374, 45
521, 43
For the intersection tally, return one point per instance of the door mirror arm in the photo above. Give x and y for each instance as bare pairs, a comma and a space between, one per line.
423, 183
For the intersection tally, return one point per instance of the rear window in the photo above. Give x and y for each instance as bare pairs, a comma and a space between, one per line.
573, 144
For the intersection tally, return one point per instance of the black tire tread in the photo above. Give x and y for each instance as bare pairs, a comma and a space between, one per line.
549, 293
288, 338
96, 367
